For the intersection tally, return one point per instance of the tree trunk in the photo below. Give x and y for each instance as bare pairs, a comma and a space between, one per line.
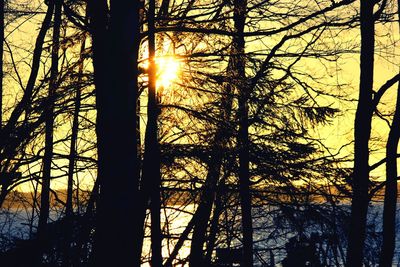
115, 41
74, 135
49, 124
362, 132
151, 162
389, 209
69, 207
243, 134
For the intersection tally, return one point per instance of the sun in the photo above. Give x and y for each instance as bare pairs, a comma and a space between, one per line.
167, 70
167, 63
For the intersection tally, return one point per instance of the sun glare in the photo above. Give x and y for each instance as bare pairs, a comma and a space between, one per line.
168, 65
168, 69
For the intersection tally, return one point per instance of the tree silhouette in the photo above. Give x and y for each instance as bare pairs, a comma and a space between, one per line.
116, 92
198, 133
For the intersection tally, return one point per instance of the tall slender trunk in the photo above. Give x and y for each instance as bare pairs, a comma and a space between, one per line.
69, 207
389, 209
362, 133
74, 136
243, 134
49, 124
115, 42
151, 164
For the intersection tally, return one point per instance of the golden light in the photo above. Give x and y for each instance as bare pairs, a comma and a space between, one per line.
168, 70
168, 65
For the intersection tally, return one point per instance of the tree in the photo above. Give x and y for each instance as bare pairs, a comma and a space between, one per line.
151, 176
239, 18
17, 132
69, 205
362, 132
232, 147
115, 41
390, 202
214, 165
49, 125
389, 210
264, 108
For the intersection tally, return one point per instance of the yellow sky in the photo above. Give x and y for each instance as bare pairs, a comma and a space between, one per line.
344, 71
